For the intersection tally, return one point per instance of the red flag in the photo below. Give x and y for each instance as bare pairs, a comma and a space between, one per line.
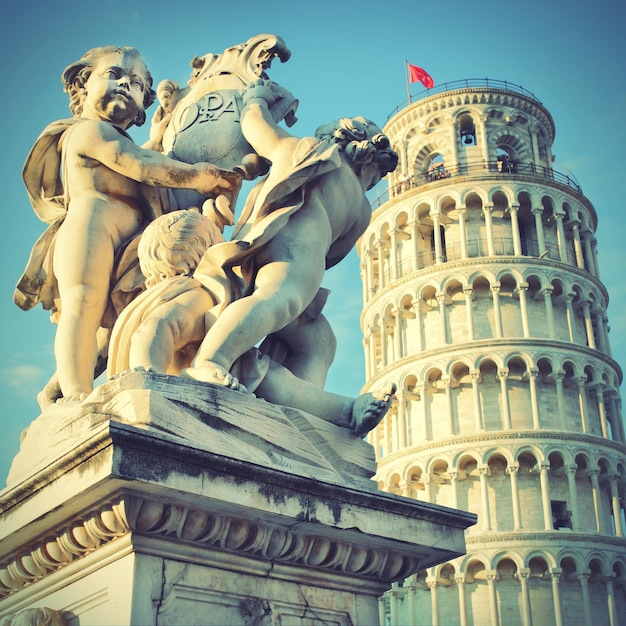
418, 74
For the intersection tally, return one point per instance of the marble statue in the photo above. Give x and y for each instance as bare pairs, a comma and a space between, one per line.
302, 219
161, 329
208, 302
85, 177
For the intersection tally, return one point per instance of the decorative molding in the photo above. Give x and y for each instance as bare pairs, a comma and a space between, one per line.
205, 528
517, 437
532, 539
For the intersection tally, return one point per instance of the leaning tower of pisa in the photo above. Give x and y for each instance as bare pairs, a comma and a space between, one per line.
483, 301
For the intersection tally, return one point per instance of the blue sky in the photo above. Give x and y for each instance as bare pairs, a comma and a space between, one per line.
347, 60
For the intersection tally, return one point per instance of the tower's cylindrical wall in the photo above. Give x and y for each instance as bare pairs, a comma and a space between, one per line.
483, 302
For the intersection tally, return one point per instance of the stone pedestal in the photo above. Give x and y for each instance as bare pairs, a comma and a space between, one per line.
166, 501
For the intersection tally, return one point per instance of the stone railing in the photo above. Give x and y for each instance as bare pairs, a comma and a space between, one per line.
476, 168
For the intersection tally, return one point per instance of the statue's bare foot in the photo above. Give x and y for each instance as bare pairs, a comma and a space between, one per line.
215, 374
72, 400
49, 394
370, 408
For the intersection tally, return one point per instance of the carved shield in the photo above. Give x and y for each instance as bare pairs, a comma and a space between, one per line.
209, 131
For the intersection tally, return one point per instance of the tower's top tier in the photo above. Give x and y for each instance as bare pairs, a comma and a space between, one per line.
469, 124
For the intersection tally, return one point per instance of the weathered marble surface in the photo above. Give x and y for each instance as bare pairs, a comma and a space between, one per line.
207, 417
204, 520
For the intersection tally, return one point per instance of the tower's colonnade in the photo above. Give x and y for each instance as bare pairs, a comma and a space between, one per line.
483, 302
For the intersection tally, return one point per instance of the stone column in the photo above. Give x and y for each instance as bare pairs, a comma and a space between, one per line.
454, 141
547, 299
584, 588
437, 237
599, 389
560, 237
604, 325
423, 411
419, 334
517, 242
523, 576
462, 212
559, 375
370, 346
573, 495
431, 581
617, 518
481, 136
392, 416
460, 583
522, 291
595, 490
541, 239
517, 518
620, 421
478, 412
364, 282
369, 265
582, 399
380, 244
610, 599
616, 420
535, 144
397, 333
414, 241
382, 332
571, 316
441, 300
594, 253
469, 312
497, 314
503, 374
483, 471
533, 372
578, 249
591, 341
545, 496
587, 236
597, 321
411, 590
449, 414
492, 576
487, 209
393, 254
402, 429
555, 574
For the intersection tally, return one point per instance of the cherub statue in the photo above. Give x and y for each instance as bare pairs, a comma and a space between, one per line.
161, 329
86, 177
302, 219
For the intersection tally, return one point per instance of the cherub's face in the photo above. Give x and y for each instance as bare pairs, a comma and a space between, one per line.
115, 89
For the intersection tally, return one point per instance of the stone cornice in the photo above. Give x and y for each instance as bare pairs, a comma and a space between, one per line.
457, 97
517, 437
203, 527
475, 263
146, 470
546, 539
492, 345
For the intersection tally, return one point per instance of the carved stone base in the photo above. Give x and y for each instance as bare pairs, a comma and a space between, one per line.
159, 502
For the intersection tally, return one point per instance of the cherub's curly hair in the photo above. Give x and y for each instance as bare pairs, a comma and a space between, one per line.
173, 244
362, 143
76, 74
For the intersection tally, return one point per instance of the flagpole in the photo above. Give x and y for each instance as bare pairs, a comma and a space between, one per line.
406, 76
